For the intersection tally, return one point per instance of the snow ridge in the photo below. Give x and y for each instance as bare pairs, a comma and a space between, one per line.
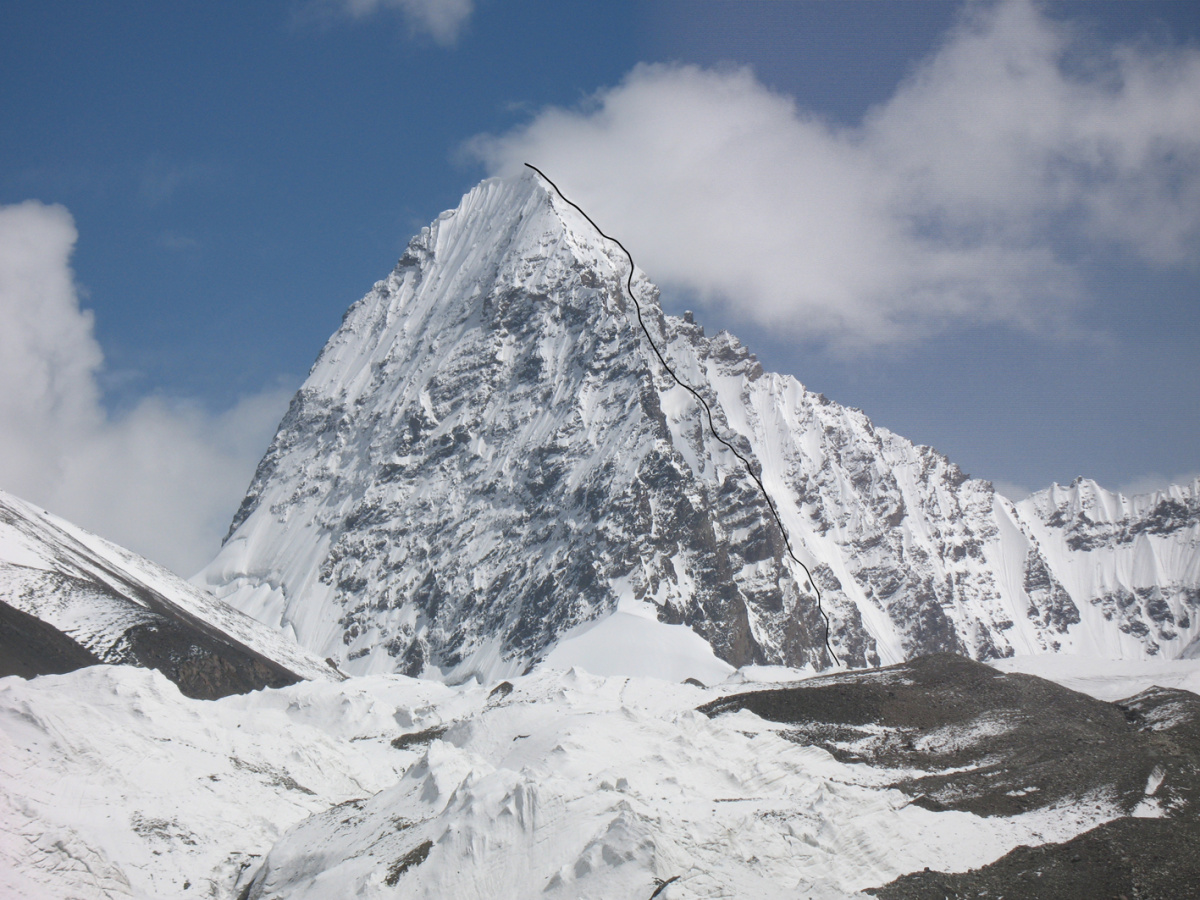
113, 602
810, 584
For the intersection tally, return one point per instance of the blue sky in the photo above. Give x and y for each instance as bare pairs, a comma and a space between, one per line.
978, 224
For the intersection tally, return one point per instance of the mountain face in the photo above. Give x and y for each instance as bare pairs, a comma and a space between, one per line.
488, 455
69, 599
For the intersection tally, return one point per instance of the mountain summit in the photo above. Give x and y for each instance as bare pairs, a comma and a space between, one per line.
488, 456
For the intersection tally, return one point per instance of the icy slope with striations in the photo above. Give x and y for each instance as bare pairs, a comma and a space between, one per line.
122, 608
488, 455
1133, 561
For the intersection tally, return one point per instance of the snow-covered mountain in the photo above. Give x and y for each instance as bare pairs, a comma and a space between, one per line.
488, 456
1128, 562
70, 599
489, 467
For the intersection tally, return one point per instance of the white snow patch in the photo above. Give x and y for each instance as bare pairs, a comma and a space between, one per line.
633, 643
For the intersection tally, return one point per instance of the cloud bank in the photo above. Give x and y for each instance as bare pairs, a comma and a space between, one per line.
974, 196
440, 19
162, 479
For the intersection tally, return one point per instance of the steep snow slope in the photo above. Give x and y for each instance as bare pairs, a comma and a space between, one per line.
1133, 561
123, 608
487, 455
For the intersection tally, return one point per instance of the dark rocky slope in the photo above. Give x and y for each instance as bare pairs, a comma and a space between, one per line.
964, 736
69, 599
29, 647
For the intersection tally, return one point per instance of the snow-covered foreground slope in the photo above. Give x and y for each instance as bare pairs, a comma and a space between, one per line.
558, 784
488, 456
124, 608
114, 784
574, 786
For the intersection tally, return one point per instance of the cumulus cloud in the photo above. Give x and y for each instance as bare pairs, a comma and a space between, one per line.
163, 478
440, 19
973, 196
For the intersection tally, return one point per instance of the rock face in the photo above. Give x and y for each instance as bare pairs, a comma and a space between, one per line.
29, 647
488, 453
69, 599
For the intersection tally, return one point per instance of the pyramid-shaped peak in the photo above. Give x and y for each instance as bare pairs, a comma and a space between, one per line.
520, 217
511, 253
489, 454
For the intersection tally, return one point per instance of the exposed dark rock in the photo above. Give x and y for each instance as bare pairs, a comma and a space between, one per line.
500, 691
990, 743
1146, 859
1049, 603
29, 647
414, 857
419, 738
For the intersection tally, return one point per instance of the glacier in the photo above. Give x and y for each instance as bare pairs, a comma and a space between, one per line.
113, 784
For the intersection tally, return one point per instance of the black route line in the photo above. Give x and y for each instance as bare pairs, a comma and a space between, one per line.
812, 582
662, 885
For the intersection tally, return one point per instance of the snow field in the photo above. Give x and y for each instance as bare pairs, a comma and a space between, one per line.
113, 784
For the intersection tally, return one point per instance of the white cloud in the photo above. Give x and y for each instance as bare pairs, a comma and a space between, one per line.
970, 197
440, 19
163, 478
1148, 484
1010, 489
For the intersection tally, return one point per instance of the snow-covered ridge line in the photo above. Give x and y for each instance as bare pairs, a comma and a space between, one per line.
809, 584
124, 608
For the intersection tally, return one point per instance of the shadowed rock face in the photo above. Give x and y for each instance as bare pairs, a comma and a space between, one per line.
201, 661
203, 666
29, 647
990, 743
69, 599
